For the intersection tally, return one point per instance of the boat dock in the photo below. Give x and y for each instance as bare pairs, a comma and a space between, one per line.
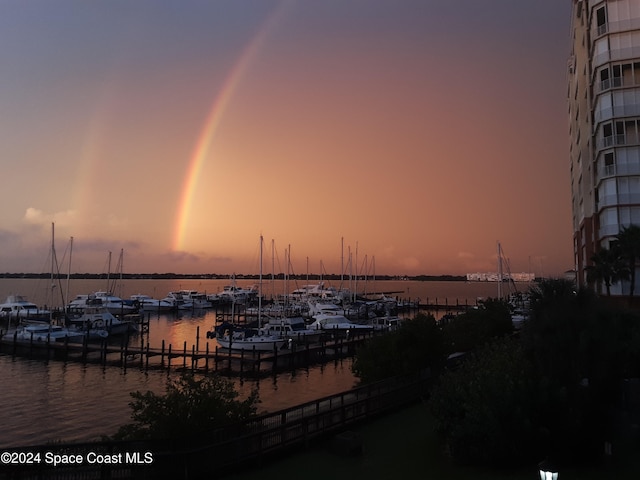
202, 356
193, 357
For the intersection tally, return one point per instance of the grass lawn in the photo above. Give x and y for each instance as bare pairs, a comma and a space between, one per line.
402, 446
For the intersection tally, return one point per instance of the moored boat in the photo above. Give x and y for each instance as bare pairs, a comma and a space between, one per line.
149, 304
292, 328
18, 307
44, 332
97, 318
332, 323
235, 338
115, 305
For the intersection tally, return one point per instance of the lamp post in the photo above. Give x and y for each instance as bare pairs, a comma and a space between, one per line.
548, 470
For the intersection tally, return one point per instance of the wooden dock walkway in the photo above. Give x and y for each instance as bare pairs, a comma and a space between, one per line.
225, 450
194, 357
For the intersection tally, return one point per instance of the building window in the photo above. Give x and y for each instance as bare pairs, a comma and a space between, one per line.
607, 134
601, 20
609, 164
604, 79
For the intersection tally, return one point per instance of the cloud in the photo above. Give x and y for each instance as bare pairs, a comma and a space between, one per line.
466, 255
35, 216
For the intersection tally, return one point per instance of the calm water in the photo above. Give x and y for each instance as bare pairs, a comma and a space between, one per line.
58, 401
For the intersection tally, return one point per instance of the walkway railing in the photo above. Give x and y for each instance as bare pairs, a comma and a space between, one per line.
217, 452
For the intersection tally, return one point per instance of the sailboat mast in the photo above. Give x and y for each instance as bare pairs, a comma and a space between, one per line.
273, 270
68, 272
341, 262
121, 267
499, 271
355, 284
108, 271
53, 256
260, 288
53, 260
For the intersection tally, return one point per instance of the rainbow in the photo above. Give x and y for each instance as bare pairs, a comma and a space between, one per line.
216, 112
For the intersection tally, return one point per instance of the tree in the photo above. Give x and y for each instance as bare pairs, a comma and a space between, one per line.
415, 346
476, 327
607, 267
628, 241
486, 410
190, 406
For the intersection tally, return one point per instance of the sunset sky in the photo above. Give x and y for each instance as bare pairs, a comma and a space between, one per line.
418, 133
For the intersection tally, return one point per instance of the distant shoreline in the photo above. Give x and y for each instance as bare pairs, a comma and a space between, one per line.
216, 276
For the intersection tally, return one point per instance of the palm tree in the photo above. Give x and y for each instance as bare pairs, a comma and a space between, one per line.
628, 241
607, 266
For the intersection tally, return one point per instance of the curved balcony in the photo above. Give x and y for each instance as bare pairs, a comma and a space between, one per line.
618, 199
617, 111
608, 230
607, 171
611, 141
609, 83
615, 55
598, 31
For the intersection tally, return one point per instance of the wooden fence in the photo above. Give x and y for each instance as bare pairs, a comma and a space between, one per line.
219, 452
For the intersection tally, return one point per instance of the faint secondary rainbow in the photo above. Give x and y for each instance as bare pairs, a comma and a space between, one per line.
213, 120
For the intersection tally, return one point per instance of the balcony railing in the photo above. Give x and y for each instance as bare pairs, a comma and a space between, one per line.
619, 199
602, 29
608, 230
618, 170
626, 110
609, 83
612, 140
614, 27
615, 55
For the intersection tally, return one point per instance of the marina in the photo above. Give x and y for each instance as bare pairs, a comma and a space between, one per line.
89, 398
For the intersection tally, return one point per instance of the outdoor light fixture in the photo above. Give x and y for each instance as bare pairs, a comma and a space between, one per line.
547, 471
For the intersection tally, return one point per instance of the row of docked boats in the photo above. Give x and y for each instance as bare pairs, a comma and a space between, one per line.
282, 332
92, 321
173, 301
94, 324
305, 316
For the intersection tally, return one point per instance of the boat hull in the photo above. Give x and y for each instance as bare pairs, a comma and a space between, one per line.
258, 343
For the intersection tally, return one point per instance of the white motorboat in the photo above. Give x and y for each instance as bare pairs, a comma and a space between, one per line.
293, 328
234, 338
150, 304
44, 332
235, 294
115, 305
333, 322
386, 323
178, 301
319, 291
324, 307
17, 306
98, 318
198, 300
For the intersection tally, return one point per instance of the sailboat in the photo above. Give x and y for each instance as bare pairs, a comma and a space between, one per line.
105, 298
34, 330
236, 338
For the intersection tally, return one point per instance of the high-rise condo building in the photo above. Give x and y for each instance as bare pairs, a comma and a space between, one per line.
603, 92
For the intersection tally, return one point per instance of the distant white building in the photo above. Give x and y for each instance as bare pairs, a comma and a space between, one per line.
494, 277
